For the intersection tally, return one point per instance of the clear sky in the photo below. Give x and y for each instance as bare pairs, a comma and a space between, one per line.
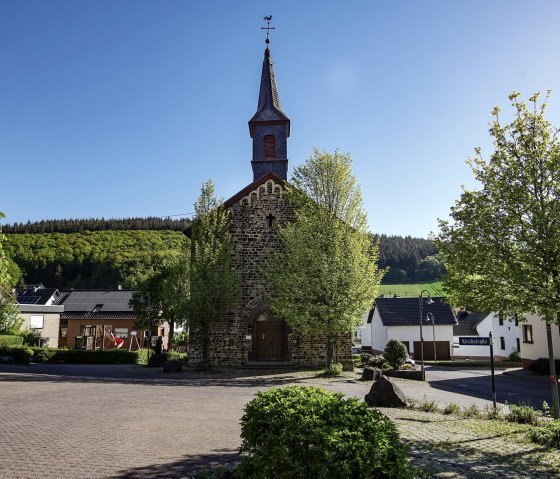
117, 108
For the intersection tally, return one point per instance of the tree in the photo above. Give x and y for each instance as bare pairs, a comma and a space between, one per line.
502, 251
10, 322
326, 276
214, 283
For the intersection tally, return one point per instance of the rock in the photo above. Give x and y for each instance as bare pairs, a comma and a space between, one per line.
371, 373
172, 366
385, 393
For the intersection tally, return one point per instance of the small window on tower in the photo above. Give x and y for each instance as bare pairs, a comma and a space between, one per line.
269, 147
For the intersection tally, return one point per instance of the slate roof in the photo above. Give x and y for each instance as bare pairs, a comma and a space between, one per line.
406, 311
467, 326
97, 304
268, 107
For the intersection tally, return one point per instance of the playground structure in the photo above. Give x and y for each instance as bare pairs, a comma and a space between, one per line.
105, 336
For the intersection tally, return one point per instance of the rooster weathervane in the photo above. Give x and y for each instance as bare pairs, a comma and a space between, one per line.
268, 28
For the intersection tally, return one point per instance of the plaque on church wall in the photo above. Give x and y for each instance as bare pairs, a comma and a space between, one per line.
248, 337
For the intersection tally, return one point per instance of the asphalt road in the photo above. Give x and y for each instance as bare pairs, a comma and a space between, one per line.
513, 387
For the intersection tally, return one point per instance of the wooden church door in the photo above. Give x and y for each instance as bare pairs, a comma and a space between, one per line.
270, 340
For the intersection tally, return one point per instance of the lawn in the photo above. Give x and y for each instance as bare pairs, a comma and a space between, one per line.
411, 290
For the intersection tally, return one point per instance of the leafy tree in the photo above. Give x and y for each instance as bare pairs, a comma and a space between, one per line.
326, 276
10, 322
430, 268
502, 251
213, 281
395, 353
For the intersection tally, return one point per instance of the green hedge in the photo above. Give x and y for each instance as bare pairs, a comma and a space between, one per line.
8, 340
306, 432
81, 356
19, 354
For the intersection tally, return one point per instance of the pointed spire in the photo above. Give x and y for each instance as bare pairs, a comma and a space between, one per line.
268, 108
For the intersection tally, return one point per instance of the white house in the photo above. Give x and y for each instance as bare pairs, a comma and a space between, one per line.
533, 339
505, 335
400, 318
40, 313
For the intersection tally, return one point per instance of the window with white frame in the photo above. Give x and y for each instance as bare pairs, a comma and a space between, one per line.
37, 321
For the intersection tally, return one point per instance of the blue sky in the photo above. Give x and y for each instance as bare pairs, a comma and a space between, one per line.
124, 107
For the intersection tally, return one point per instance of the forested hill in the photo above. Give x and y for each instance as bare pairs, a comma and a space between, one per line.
151, 223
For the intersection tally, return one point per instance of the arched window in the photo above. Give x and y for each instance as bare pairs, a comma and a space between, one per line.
269, 147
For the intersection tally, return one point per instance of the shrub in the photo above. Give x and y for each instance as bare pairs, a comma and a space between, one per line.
451, 408
514, 356
31, 337
492, 413
157, 360
332, 370
365, 359
523, 414
542, 366
471, 411
9, 340
547, 435
43, 355
177, 356
100, 356
20, 354
395, 353
304, 432
428, 405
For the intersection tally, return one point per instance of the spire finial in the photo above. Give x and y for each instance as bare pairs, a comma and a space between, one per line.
267, 28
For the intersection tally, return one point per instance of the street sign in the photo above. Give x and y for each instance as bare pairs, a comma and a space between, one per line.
470, 341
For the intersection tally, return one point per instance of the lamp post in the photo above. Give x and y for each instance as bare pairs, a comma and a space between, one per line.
430, 317
420, 306
142, 299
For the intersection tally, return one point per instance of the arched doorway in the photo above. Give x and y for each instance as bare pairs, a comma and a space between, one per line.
270, 337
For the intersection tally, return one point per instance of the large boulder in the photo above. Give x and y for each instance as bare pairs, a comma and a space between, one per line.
370, 373
385, 393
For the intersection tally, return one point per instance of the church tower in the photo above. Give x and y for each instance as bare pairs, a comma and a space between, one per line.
269, 127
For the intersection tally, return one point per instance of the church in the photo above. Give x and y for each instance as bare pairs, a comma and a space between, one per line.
251, 334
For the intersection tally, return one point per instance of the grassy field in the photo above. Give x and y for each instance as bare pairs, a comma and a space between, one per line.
410, 290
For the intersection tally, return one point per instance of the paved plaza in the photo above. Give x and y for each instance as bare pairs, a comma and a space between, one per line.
86, 421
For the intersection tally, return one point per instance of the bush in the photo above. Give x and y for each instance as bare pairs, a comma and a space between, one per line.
31, 337
157, 360
333, 370
542, 366
514, 356
304, 432
395, 353
523, 414
20, 354
43, 355
451, 408
547, 435
471, 411
428, 405
100, 356
177, 356
9, 340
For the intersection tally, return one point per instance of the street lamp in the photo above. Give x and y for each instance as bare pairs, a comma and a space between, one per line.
421, 303
430, 317
142, 299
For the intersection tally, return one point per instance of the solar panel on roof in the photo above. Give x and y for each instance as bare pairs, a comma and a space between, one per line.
28, 299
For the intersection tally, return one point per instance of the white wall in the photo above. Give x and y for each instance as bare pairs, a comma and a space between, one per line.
364, 332
51, 321
412, 333
538, 349
378, 333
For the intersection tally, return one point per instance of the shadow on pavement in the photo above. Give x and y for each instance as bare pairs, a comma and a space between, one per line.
185, 467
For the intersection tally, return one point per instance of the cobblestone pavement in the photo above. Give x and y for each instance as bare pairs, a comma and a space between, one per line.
78, 421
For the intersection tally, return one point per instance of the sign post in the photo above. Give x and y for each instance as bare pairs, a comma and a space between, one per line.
470, 341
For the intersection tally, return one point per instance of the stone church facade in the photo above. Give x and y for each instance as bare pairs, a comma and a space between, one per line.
251, 333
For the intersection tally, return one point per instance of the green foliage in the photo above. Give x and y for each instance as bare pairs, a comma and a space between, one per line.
82, 356
214, 283
377, 361
523, 414
157, 360
326, 276
515, 356
20, 354
179, 341
451, 408
43, 355
31, 337
395, 353
305, 432
470, 411
412, 290
332, 370
502, 250
11, 340
548, 434
93, 259
427, 405
142, 356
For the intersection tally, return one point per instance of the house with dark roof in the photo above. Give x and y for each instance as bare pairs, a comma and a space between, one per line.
399, 318
90, 316
505, 333
40, 312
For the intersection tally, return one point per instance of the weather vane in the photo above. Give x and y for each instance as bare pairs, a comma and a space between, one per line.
268, 28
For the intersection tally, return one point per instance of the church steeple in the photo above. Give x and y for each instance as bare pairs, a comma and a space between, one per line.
269, 127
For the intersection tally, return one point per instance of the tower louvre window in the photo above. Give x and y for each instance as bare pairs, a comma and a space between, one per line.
269, 147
